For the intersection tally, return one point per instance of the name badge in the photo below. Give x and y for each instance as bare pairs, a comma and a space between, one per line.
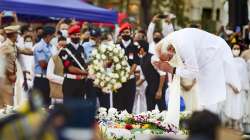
131, 56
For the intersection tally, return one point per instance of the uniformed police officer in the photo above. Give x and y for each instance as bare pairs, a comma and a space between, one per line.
74, 66
10, 51
124, 99
42, 54
156, 87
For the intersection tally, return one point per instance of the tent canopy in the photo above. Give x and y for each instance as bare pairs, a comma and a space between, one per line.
60, 8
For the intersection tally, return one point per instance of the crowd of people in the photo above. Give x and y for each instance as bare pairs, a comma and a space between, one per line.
53, 60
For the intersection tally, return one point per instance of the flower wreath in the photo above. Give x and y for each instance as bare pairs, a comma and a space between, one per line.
109, 66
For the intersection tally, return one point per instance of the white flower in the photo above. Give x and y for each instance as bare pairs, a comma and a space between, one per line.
147, 131
116, 75
96, 82
124, 63
102, 109
102, 69
122, 73
103, 48
116, 50
123, 79
116, 59
118, 66
96, 62
98, 56
110, 48
109, 86
107, 78
103, 56
98, 75
117, 85
123, 115
112, 111
102, 84
113, 81
106, 90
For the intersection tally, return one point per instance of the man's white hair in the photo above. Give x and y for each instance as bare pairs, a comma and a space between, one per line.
165, 44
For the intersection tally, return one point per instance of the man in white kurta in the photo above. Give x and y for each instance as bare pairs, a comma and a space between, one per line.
203, 57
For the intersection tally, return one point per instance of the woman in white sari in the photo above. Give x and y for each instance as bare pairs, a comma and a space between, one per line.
234, 104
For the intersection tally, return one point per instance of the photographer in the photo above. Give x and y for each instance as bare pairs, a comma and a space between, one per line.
155, 36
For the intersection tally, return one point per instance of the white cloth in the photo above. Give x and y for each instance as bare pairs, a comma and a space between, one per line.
167, 28
19, 95
50, 73
150, 32
27, 63
205, 56
126, 43
140, 104
151, 48
153, 59
246, 115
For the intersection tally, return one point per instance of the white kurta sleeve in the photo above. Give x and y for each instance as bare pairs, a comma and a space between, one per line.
50, 73
150, 32
153, 59
167, 28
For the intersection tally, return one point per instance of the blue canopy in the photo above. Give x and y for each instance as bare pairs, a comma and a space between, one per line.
60, 8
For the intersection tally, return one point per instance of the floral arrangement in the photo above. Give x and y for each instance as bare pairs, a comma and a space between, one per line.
6, 111
122, 125
109, 66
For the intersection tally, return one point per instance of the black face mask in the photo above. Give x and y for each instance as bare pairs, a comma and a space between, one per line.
126, 37
75, 40
157, 39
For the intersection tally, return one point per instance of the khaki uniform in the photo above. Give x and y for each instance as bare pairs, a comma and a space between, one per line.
8, 49
56, 89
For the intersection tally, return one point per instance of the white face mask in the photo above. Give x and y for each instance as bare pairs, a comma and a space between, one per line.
64, 33
236, 52
28, 44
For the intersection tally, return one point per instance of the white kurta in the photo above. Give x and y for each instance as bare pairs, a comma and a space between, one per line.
206, 58
234, 104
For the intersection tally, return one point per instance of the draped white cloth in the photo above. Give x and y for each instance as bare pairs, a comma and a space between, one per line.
19, 95
234, 104
246, 115
206, 58
140, 104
